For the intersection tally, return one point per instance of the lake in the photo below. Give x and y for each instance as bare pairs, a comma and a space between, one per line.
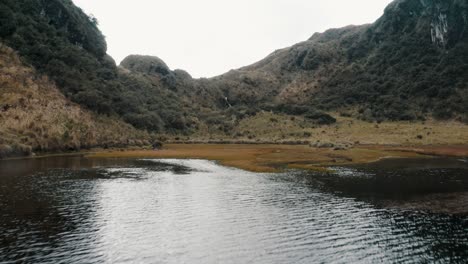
82, 210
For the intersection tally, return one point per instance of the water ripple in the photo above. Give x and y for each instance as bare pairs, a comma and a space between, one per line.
195, 211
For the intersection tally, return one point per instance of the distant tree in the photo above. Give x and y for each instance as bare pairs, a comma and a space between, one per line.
320, 118
93, 20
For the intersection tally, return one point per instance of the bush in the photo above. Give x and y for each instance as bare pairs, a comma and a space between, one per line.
442, 112
292, 109
320, 118
14, 150
157, 145
5, 151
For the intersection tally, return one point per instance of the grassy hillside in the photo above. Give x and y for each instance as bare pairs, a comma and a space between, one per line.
35, 116
411, 64
267, 127
62, 42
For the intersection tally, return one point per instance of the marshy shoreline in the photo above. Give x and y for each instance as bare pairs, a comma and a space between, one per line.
267, 156
277, 157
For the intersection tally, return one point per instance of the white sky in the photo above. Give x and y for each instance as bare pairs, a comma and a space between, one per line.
210, 37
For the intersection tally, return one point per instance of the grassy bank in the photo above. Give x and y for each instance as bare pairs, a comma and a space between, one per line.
274, 128
273, 158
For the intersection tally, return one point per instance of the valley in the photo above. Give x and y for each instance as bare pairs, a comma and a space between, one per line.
400, 81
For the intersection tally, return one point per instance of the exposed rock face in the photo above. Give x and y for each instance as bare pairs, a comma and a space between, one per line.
447, 19
439, 30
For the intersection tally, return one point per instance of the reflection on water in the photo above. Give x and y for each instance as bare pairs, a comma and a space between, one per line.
78, 210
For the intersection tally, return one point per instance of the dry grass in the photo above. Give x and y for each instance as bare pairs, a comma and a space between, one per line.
366, 142
264, 158
278, 128
34, 115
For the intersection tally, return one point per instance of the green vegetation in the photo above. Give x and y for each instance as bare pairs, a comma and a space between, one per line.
35, 116
394, 69
411, 65
398, 68
398, 73
62, 42
321, 118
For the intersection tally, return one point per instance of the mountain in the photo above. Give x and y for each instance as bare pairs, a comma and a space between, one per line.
411, 65
59, 40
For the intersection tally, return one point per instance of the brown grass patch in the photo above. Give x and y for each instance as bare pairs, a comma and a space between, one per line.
263, 158
34, 115
260, 128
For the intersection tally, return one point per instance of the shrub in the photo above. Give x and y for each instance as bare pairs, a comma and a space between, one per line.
157, 144
17, 150
320, 118
5, 151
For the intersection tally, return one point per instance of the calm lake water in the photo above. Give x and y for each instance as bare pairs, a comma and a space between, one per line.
79, 210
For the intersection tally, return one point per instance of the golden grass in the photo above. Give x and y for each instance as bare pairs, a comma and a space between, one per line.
35, 114
264, 158
278, 128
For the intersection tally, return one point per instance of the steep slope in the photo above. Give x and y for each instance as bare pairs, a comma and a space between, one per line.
35, 116
411, 63
62, 42
290, 75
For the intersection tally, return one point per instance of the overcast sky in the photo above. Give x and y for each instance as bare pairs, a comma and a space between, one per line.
210, 37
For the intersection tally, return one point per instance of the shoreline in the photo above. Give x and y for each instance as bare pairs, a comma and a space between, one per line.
267, 157
278, 157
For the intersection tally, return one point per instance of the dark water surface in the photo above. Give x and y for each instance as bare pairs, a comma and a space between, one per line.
79, 210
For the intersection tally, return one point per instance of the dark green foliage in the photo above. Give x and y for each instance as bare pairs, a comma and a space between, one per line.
241, 112
64, 43
292, 109
397, 72
320, 118
157, 145
61, 41
397, 68
7, 21
390, 70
